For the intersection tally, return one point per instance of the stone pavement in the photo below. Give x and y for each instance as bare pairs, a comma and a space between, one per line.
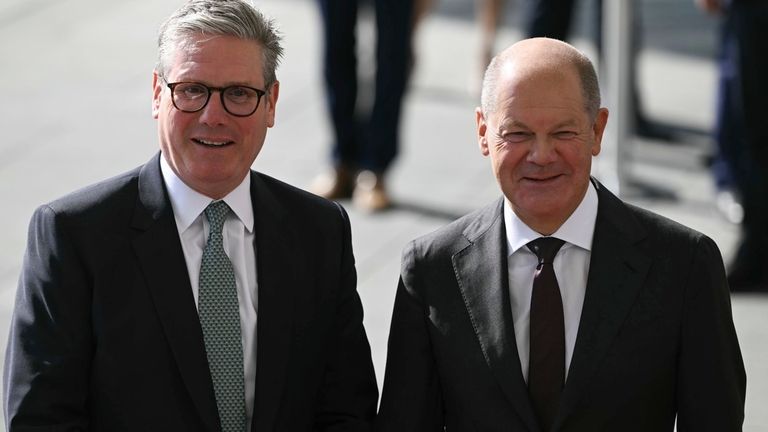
76, 109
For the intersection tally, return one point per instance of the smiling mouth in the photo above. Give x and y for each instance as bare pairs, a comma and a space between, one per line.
212, 143
542, 179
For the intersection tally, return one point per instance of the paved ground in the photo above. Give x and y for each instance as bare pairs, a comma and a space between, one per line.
76, 108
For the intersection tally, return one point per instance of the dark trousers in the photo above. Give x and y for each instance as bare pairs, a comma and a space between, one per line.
741, 132
371, 142
550, 18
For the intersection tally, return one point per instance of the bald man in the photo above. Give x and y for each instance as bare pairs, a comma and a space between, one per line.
559, 307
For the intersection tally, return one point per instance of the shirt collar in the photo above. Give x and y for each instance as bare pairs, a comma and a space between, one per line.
576, 230
187, 203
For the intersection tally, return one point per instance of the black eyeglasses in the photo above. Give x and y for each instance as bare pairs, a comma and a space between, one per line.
238, 100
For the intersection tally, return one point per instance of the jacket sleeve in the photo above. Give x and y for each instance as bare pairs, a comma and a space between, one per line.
411, 399
49, 347
349, 393
712, 380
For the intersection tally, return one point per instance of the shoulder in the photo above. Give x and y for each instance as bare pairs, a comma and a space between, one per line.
664, 229
457, 235
291, 197
108, 197
296, 204
94, 218
634, 222
674, 242
669, 243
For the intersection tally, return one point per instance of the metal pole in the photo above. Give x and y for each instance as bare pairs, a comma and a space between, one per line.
611, 165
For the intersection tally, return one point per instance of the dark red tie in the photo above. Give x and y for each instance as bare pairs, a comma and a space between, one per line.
546, 363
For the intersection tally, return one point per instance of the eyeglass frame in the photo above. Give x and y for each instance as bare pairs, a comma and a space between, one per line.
210, 89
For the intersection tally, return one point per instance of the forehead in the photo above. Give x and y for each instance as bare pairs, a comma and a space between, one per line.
556, 92
217, 60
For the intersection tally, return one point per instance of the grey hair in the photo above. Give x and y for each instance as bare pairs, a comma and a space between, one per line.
236, 18
586, 70
490, 82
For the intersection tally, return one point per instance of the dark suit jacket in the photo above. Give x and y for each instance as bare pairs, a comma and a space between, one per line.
656, 336
105, 334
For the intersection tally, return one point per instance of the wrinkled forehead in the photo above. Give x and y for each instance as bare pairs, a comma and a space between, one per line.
526, 69
539, 99
521, 79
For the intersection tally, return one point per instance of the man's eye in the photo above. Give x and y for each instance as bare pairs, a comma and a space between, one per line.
565, 134
193, 91
516, 137
239, 94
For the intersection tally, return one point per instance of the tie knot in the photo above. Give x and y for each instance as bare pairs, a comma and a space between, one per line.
216, 212
545, 248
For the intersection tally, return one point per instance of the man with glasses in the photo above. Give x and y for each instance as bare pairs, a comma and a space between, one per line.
193, 294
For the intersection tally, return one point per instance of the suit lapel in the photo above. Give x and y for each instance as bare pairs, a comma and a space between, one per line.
278, 255
161, 259
616, 273
481, 272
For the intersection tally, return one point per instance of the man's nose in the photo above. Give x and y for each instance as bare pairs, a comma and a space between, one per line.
542, 151
214, 113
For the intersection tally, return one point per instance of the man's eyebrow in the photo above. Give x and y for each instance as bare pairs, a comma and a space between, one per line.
224, 85
519, 124
512, 124
569, 122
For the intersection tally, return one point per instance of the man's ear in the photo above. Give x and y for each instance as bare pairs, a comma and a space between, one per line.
482, 130
598, 128
157, 91
271, 100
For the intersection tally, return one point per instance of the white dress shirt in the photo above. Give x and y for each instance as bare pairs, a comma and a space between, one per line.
188, 206
571, 266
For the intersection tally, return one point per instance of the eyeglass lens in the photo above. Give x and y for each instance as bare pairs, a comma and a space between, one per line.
237, 100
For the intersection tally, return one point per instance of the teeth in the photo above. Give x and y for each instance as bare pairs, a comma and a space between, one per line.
212, 143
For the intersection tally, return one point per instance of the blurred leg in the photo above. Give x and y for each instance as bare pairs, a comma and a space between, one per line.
420, 10
729, 126
750, 26
550, 18
340, 72
488, 13
393, 24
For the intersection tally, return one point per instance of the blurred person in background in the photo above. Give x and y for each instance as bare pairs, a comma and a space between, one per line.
554, 19
191, 293
365, 145
741, 160
545, 18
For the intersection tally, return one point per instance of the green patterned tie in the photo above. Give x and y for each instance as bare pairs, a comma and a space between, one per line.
220, 319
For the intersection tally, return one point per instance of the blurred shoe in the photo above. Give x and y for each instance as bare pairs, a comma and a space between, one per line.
337, 184
369, 194
729, 206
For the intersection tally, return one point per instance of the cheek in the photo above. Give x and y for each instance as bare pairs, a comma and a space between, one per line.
178, 123
506, 159
578, 156
585, 163
173, 129
255, 135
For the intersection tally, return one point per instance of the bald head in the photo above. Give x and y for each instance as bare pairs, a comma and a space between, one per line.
536, 57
